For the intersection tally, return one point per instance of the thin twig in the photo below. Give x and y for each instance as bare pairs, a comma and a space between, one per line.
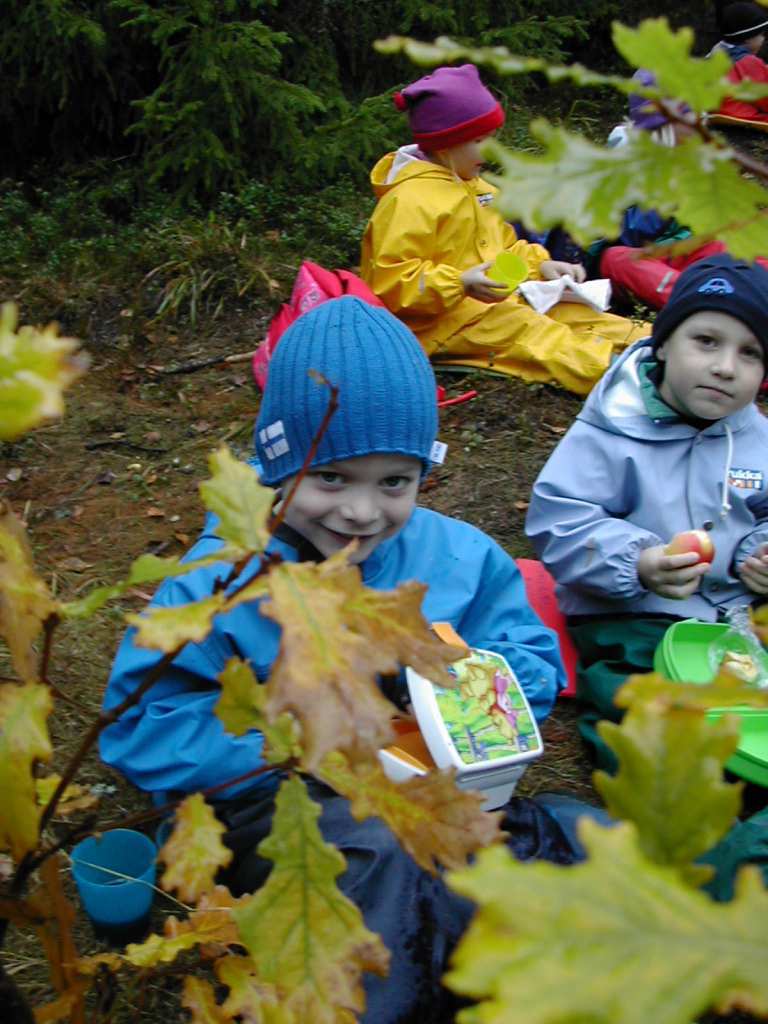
201, 364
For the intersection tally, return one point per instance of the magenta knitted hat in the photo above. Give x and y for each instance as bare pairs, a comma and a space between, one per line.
449, 107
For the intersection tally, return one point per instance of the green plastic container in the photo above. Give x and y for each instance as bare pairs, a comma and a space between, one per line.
683, 656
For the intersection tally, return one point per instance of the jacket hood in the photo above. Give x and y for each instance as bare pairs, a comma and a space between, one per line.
616, 404
402, 165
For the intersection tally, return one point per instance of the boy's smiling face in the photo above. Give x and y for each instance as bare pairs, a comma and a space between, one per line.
369, 498
713, 366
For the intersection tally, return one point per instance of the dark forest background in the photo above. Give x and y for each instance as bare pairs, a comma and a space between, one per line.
204, 94
179, 155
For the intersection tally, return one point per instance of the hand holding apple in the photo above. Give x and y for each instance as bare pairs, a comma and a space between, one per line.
675, 576
692, 540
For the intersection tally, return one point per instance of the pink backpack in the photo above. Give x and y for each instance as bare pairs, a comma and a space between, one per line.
314, 285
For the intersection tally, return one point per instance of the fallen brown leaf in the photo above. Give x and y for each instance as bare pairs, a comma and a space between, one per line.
73, 564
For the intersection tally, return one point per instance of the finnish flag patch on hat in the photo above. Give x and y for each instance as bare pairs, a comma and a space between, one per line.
273, 440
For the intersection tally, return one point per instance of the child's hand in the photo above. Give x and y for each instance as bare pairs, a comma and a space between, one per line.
754, 571
550, 270
673, 576
480, 286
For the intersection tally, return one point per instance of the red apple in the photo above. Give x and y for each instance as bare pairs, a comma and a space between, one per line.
692, 540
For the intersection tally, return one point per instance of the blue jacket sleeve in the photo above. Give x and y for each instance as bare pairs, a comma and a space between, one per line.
172, 741
576, 518
499, 618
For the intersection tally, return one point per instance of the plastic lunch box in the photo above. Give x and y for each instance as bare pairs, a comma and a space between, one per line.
484, 728
683, 656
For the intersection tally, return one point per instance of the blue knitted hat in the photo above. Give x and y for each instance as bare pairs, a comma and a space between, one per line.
387, 391
723, 284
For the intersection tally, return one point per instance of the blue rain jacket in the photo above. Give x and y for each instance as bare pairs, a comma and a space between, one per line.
172, 742
620, 482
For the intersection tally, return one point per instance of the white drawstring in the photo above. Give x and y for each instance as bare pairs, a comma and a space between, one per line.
725, 506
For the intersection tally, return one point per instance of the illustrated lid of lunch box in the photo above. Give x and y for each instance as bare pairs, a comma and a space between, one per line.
482, 725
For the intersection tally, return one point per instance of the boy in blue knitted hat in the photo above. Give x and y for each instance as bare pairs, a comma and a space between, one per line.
362, 486
670, 441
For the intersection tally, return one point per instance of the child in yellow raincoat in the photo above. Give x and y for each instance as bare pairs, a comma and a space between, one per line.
434, 234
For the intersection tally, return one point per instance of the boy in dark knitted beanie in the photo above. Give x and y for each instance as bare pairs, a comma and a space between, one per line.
671, 441
360, 490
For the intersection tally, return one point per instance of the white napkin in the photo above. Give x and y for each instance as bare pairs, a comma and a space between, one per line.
542, 295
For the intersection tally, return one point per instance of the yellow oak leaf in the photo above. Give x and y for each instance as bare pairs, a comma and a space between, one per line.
436, 822
617, 939
199, 998
24, 740
36, 366
166, 629
248, 998
724, 691
337, 637
242, 706
670, 782
75, 797
303, 935
211, 923
194, 851
239, 500
25, 602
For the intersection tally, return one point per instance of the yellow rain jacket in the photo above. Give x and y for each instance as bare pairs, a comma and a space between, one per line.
429, 226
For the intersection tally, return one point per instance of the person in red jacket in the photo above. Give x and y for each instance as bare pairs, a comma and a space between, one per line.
744, 27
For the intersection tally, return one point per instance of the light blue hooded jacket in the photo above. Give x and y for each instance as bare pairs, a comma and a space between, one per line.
620, 481
172, 742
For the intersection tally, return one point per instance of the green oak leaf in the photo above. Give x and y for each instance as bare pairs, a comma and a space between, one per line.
699, 82
242, 706
36, 366
616, 939
603, 182
725, 690
667, 55
303, 935
166, 629
718, 201
239, 500
670, 782
146, 569
447, 51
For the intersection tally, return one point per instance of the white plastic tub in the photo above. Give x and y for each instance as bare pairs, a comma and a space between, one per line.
484, 728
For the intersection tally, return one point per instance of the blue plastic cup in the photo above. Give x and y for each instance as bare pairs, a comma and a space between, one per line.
115, 873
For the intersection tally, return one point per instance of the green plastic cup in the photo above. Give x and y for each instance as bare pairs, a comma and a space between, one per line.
509, 269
